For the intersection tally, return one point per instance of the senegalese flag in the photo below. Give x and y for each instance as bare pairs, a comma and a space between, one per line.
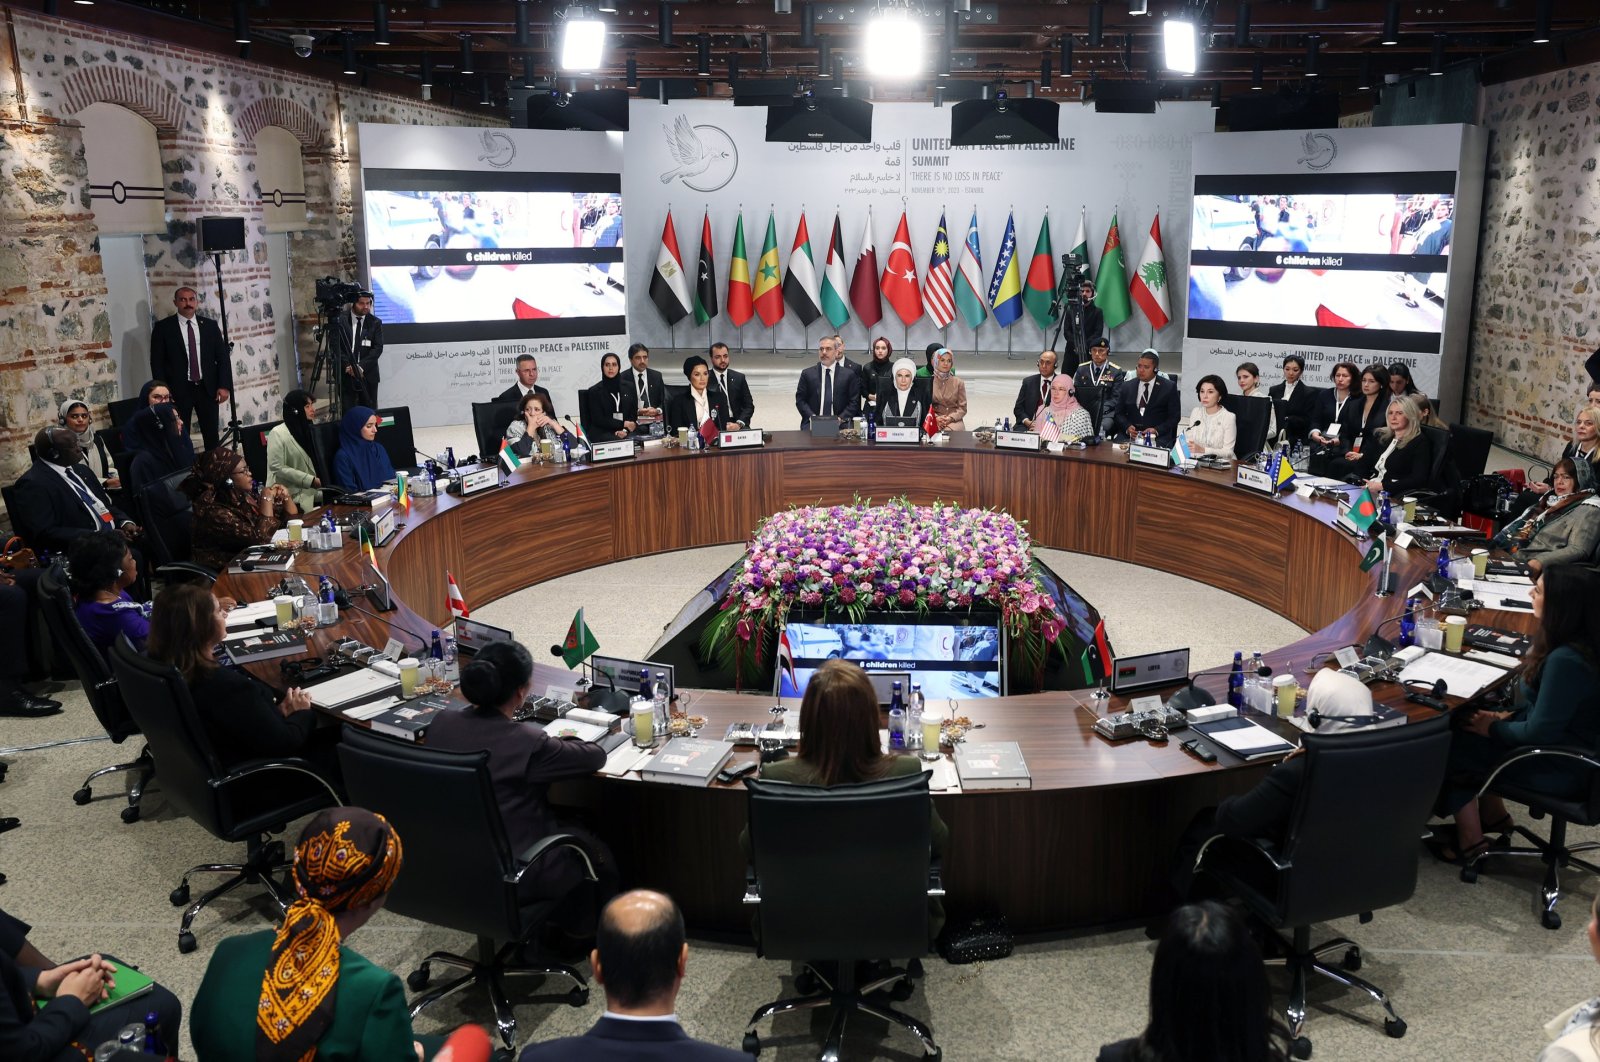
508, 457
580, 643
1111, 281
1374, 555
1040, 290
1363, 511
1282, 471
740, 309
768, 292
1096, 657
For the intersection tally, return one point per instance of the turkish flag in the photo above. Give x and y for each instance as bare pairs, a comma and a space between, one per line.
900, 286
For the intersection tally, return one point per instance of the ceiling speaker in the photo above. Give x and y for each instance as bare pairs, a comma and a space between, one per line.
600, 110
975, 123
820, 119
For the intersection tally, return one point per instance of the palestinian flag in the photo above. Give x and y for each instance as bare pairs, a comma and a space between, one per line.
835, 288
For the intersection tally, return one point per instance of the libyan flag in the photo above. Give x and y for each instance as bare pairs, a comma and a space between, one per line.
580, 642
1096, 656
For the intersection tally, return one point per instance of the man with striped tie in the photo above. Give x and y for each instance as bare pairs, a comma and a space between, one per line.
59, 499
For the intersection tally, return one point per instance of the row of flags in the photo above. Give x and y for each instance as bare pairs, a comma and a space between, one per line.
952, 287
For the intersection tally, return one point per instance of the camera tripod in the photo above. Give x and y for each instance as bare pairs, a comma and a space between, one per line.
333, 354
229, 437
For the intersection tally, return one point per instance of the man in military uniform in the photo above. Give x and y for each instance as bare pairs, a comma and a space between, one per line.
1095, 382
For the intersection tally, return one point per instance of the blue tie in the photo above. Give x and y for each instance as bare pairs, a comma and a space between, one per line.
85, 495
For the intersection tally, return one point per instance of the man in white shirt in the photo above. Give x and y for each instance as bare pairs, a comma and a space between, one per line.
827, 389
527, 380
741, 404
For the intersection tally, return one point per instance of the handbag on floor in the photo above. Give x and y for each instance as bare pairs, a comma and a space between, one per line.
977, 940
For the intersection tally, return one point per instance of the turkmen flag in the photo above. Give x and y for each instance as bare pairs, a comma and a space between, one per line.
1363, 511
969, 286
1111, 281
740, 309
1040, 290
800, 282
768, 295
580, 643
835, 292
705, 283
1374, 555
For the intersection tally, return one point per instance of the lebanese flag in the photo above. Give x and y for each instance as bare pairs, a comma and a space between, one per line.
458, 604
864, 281
669, 288
1149, 284
900, 276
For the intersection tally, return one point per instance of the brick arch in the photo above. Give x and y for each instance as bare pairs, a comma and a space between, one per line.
142, 95
300, 122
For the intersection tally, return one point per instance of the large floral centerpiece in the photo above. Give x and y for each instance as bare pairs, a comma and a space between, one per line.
847, 560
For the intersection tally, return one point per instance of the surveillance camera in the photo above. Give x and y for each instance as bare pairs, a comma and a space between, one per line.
302, 44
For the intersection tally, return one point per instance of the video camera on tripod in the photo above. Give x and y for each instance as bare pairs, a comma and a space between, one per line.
332, 296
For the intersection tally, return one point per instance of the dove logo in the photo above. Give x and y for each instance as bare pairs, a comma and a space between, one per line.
498, 149
705, 156
1318, 151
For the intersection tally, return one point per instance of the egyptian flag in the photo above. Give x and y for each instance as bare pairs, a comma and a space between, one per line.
458, 604
786, 659
1096, 657
669, 289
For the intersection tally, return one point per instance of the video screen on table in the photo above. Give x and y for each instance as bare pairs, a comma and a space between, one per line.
949, 660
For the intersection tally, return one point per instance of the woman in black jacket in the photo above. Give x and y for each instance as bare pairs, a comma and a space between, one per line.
608, 409
1371, 406
1399, 459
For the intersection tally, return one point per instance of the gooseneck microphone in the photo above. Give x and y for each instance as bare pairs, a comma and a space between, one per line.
420, 639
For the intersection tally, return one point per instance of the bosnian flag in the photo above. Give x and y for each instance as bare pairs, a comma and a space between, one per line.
786, 659
458, 604
508, 457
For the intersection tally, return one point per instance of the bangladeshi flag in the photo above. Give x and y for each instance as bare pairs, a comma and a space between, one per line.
768, 296
1363, 511
1039, 290
740, 308
705, 283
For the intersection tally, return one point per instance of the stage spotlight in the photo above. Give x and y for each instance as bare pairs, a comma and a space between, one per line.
664, 24
633, 72
521, 38
1436, 60
380, 24
465, 66
894, 42
1097, 24
1313, 44
1182, 43
1257, 75
702, 60
1241, 26
241, 23
583, 40
1045, 70
1364, 73
1066, 56
1391, 24
1541, 23
349, 49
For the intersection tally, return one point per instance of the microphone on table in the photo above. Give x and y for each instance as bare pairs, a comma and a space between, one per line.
1191, 695
467, 1044
420, 639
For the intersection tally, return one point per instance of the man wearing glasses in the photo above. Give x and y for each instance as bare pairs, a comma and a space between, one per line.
1035, 392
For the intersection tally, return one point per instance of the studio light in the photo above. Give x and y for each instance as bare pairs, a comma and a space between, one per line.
894, 43
808, 26
1216, 95
380, 24
1364, 73
1182, 44
527, 70
465, 66
702, 56
1541, 23
1436, 60
483, 92
1138, 7
427, 72
782, 7
521, 38
1241, 26
583, 40
664, 24
824, 57
348, 44
1045, 70
1257, 75
733, 67
241, 23
1097, 24
633, 72
1313, 44
1066, 56
1391, 24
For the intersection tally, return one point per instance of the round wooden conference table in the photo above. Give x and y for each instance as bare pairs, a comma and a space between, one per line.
1092, 841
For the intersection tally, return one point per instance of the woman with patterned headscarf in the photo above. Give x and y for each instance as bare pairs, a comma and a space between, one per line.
311, 994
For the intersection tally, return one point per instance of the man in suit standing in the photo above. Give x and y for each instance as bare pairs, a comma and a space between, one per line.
1035, 391
827, 389
189, 353
1293, 399
361, 333
527, 380
1147, 402
1096, 383
648, 388
640, 958
741, 404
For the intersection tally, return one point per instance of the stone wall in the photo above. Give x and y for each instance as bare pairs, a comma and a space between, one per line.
1537, 315
54, 325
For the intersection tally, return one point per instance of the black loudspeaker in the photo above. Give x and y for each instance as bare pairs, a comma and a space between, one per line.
221, 234
1301, 110
601, 110
1125, 97
976, 123
764, 92
821, 120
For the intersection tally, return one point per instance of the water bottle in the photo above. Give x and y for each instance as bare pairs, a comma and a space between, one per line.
131, 1037
1384, 512
327, 522
1256, 689
1408, 623
436, 647
658, 704
872, 424
152, 1036
1442, 569
897, 719
645, 692
452, 659
328, 607
450, 456
1236, 680
1005, 425
566, 446
914, 709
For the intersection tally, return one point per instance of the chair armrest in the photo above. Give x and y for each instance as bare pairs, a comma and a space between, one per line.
189, 567
1247, 844
1570, 752
935, 878
752, 888
296, 766
546, 844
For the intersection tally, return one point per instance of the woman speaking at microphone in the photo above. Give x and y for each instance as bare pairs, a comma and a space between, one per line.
1212, 429
1562, 527
701, 402
1063, 418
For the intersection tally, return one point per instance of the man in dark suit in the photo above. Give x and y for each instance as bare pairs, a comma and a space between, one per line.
360, 334
1293, 399
649, 390
741, 404
189, 353
60, 500
640, 957
1147, 402
827, 389
1035, 391
1096, 383
527, 380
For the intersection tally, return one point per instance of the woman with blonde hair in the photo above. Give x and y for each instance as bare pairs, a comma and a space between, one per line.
1400, 461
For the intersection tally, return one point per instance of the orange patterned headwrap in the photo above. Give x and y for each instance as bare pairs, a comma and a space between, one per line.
346, 858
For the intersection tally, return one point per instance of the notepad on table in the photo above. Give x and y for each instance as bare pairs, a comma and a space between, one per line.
343, 689
1245, 738
1462, 678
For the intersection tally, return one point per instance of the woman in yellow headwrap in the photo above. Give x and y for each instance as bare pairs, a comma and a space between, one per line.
312, 995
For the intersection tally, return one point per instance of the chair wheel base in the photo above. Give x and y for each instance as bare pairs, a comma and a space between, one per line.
1395, 1027
1469, 875
751, 1045
1352, 960
186, 942
936, 1055
902, 990
83, 796
418, 979
130, 814
578, 997
1301, 1047
1551, 920
179, 897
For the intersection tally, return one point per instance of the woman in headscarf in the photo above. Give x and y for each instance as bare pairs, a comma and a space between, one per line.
289, 449
361, 464
1401, 384
160, 445
877, 375
926, 372
703, 400
75, 418
1063, 418
949, 392
1562, 527
909, 398
608, 408
302, 992
535, 423
227, 514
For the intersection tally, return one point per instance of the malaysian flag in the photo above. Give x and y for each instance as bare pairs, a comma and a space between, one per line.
937, 295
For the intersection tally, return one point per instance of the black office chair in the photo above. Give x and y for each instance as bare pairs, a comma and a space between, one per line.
843, 874
460, 870
99, 685
1470, 448
397, 439
120, 411
1252, 413
253, 438
325, 441
1443, 492
1351, 848
248, 803
19, 526
489, 423
1554, 850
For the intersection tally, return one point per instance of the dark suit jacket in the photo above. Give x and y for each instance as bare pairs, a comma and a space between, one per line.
1161, 413
1028, 400
681, 414
513, 394
846, 393
27, 1035
1265, 810
49, 512
618, 1040
1294, 413
920, 399
371, 342
1089, 395
658, 386
169, 353
1322, 407
741, 403
1376, 420
598, 413
242, 719
1409, 468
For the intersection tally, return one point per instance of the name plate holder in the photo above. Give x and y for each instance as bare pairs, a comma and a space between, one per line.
1158, 456
1017, 440
897, 435
737, 440
1252, 478
611, 451
481, 480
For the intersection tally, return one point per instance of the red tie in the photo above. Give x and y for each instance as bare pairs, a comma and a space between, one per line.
194, 353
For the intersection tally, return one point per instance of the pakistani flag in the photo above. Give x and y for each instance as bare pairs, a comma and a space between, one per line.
1080, 246
835, 292
580, 642
1374, 556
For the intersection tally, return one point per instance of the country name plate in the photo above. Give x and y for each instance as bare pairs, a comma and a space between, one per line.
483, 479
1253, 479
734, 440
611, 451
1159, 456
898, 435
1016, 440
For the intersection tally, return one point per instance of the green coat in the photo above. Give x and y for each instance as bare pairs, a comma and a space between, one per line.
289, 464
371, 1022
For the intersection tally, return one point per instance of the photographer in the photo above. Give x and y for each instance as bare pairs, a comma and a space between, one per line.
1081, 320
356, 343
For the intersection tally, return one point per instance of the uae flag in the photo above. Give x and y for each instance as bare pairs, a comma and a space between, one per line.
969, 286
1149, 286
900, 276
669, 289
768, 288
800, 282
1040, 290
1111, 282
705, 282
937, 293
835, 288
740, 305
864, 281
